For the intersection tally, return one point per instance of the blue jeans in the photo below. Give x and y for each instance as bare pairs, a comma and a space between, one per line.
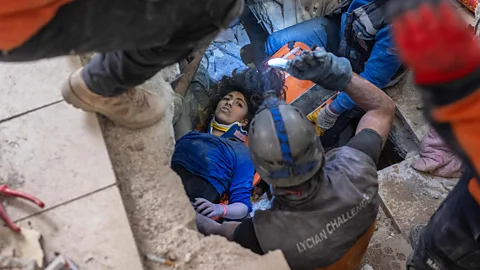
320, 31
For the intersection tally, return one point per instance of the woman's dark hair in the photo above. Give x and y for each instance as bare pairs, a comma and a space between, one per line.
252, 83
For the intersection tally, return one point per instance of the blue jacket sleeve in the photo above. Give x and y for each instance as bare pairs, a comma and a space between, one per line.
242, 181
383, 62
379, 69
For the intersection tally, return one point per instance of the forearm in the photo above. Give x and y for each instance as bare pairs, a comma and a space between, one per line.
379, 108
207, 226
236, 211
177, 108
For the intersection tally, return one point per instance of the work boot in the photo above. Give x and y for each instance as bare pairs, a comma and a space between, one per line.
136, 108
415, 234
414, 238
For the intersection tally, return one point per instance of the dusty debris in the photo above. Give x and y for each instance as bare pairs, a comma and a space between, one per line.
171, 256
159, 260
410, 197
388, 255
225, 35
406, 97
449, 184
11, 263
367, 267
25, 245
272, 260
62, 263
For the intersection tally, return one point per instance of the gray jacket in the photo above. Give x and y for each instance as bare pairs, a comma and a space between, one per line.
317, 231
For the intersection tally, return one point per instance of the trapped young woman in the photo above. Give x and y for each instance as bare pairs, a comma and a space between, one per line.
215, 160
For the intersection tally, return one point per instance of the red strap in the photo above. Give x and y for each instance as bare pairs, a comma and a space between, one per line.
224, 209
6, 219
16, 193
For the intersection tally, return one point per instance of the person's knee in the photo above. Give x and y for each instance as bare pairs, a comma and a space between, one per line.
274, 42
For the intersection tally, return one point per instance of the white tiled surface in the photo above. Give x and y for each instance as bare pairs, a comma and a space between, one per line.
27, 86
93, 232
57, 154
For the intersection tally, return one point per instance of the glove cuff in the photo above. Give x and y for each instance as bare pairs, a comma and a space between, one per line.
339, 76
440, 94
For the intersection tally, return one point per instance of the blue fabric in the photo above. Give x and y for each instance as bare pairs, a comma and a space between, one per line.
224, 163
272, 105
311, 32
382, 63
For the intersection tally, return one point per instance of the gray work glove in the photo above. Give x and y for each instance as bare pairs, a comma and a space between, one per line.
207, 208
323, 68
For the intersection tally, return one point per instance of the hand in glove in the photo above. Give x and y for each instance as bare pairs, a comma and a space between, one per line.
322, 68
324, 119
208, 209
434, 41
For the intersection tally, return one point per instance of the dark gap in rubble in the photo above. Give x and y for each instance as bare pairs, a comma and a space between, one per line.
400, 143
390, 156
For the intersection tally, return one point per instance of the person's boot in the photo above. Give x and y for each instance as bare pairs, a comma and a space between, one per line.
136, 108
414, 238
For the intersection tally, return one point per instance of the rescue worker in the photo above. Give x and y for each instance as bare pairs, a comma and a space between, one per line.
325, 206
135, 39
445, 57
358, 31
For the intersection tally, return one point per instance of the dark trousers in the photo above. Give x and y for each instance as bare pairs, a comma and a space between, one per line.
195, 186
135, 38
451, 240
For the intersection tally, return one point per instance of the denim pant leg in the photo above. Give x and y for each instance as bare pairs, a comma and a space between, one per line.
320, 31
135, 38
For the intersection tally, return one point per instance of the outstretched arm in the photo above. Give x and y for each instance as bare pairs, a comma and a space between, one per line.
334, 72
232, 211
208, 226
379, 108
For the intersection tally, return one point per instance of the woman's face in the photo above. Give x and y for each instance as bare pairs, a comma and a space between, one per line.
232, 108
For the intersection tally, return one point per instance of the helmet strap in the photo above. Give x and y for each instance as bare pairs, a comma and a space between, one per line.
297, 194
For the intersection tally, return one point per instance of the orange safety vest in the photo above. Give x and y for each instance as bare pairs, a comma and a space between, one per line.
21, 19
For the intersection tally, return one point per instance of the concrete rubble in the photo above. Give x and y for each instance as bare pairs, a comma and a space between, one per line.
24, 247
411, 197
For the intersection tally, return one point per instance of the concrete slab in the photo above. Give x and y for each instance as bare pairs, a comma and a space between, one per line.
410, 197
93, 232
409, 106
273, 260
385, 229
387, 248
388, 255
27, 86
57, 154
467, 15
